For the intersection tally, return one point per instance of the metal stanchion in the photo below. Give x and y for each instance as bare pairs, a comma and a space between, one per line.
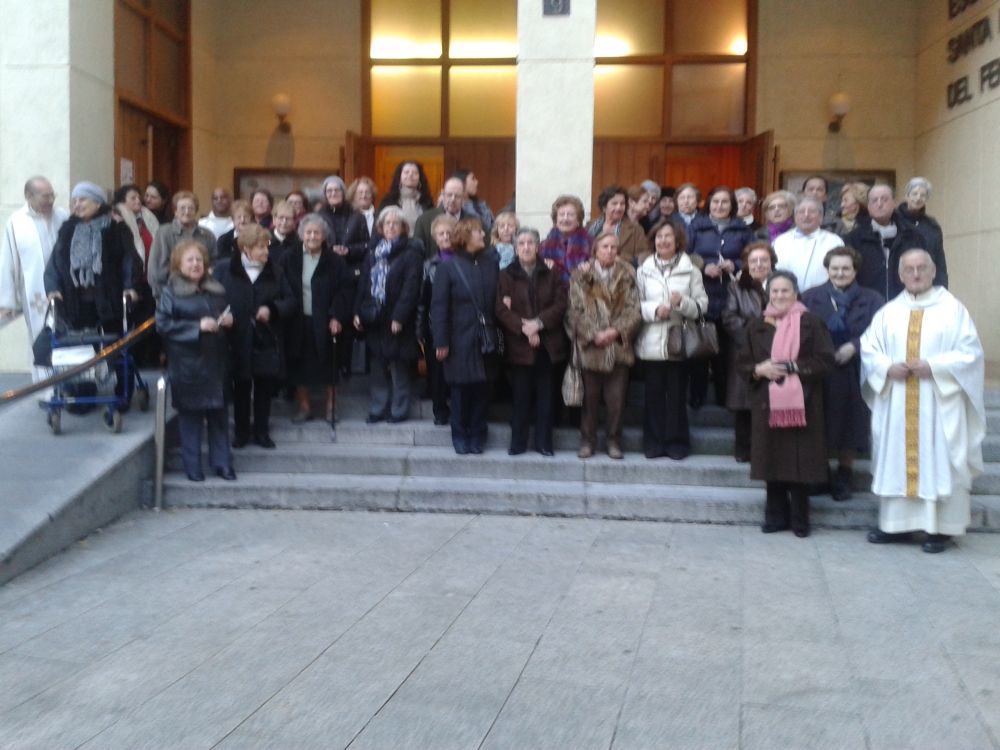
160, 440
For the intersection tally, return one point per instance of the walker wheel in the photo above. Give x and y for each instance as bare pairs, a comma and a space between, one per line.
142, 399
113, 421
55, 422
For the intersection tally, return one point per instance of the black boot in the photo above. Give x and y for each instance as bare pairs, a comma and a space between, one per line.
841, 482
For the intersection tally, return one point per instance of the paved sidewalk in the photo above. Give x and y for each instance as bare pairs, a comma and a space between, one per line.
270, 629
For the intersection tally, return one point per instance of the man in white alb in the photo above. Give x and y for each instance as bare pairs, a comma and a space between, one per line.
25, 248
922, 375
802, 248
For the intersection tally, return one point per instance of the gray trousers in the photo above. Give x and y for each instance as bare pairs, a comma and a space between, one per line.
389, 388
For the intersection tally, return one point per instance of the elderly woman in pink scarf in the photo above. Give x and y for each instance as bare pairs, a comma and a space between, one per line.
788, 354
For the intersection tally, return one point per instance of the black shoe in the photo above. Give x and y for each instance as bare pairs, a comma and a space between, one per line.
240, 441
461, 450
935, 543
840, 484
547, 452
195, 477
772, 528
396, 420
877, 536
696, 403
374, 418
226, 473
264, 441
801, 533
678, 452
515, 451
441, 421
741, 459
476, 450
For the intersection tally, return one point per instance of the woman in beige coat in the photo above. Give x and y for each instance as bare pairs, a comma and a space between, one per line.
670, 290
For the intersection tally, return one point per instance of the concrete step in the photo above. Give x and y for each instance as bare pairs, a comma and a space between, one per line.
441, 461
521, 496
712, 440
708, 440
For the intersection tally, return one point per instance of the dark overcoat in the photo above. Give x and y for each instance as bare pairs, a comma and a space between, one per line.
402, 293
742, 306
454, 317
789, 454
197, 362
848, 419
245, 297
119, 271
543, 296
933, 239
331, 298
709, 243
878, 272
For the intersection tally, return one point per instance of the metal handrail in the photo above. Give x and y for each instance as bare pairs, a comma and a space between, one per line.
160, 440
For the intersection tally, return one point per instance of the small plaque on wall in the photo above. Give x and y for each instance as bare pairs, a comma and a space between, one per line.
555, 7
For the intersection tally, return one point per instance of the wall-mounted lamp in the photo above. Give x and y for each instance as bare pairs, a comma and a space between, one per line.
282, 105
840, 105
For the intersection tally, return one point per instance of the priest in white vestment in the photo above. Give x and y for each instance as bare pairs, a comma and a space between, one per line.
922, 374
25, 247
803, 248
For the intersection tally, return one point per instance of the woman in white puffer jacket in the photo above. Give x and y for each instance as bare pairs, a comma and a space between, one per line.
670, 289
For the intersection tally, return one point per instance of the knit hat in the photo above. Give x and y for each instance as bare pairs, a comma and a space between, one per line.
89, 190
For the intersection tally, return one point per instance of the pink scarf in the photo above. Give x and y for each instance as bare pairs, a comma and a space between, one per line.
788, 403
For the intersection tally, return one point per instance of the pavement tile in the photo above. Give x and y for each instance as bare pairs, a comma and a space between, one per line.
771, 727
554, 715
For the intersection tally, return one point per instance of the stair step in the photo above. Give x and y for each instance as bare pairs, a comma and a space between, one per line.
658, 502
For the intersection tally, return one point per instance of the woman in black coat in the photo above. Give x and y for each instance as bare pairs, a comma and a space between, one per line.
848, 309
385, 308
260, 300
718, 238
349, 238
461, 309
189, 316
788, 450
531, 304
321, 286
745, 302
92, 266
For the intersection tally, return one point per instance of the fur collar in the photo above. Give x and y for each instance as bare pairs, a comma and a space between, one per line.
183, 287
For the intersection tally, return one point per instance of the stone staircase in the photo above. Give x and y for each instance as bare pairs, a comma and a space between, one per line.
411, 467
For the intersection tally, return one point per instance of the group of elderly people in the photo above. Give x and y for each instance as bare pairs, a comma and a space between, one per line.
272, 302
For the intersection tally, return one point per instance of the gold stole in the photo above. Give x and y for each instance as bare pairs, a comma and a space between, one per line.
913, 405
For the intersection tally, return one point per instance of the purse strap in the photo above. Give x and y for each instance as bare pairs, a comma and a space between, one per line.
461, 274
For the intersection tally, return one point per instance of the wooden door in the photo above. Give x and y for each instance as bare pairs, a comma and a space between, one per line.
493, 163
625, 163
706, 166
132, 146
758, 163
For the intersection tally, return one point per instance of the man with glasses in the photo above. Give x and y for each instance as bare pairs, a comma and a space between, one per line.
882, 243
801, 250
25, 248
922, 376
452, 197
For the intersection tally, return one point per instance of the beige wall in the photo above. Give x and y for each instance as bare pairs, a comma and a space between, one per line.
810, 49
956, 149
56, 96
244, 53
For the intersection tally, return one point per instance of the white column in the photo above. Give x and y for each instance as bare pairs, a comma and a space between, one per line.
555, 108
56, 96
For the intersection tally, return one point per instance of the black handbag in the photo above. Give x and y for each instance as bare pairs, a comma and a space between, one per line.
701, 340
265, 358
41, 347
490, 336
